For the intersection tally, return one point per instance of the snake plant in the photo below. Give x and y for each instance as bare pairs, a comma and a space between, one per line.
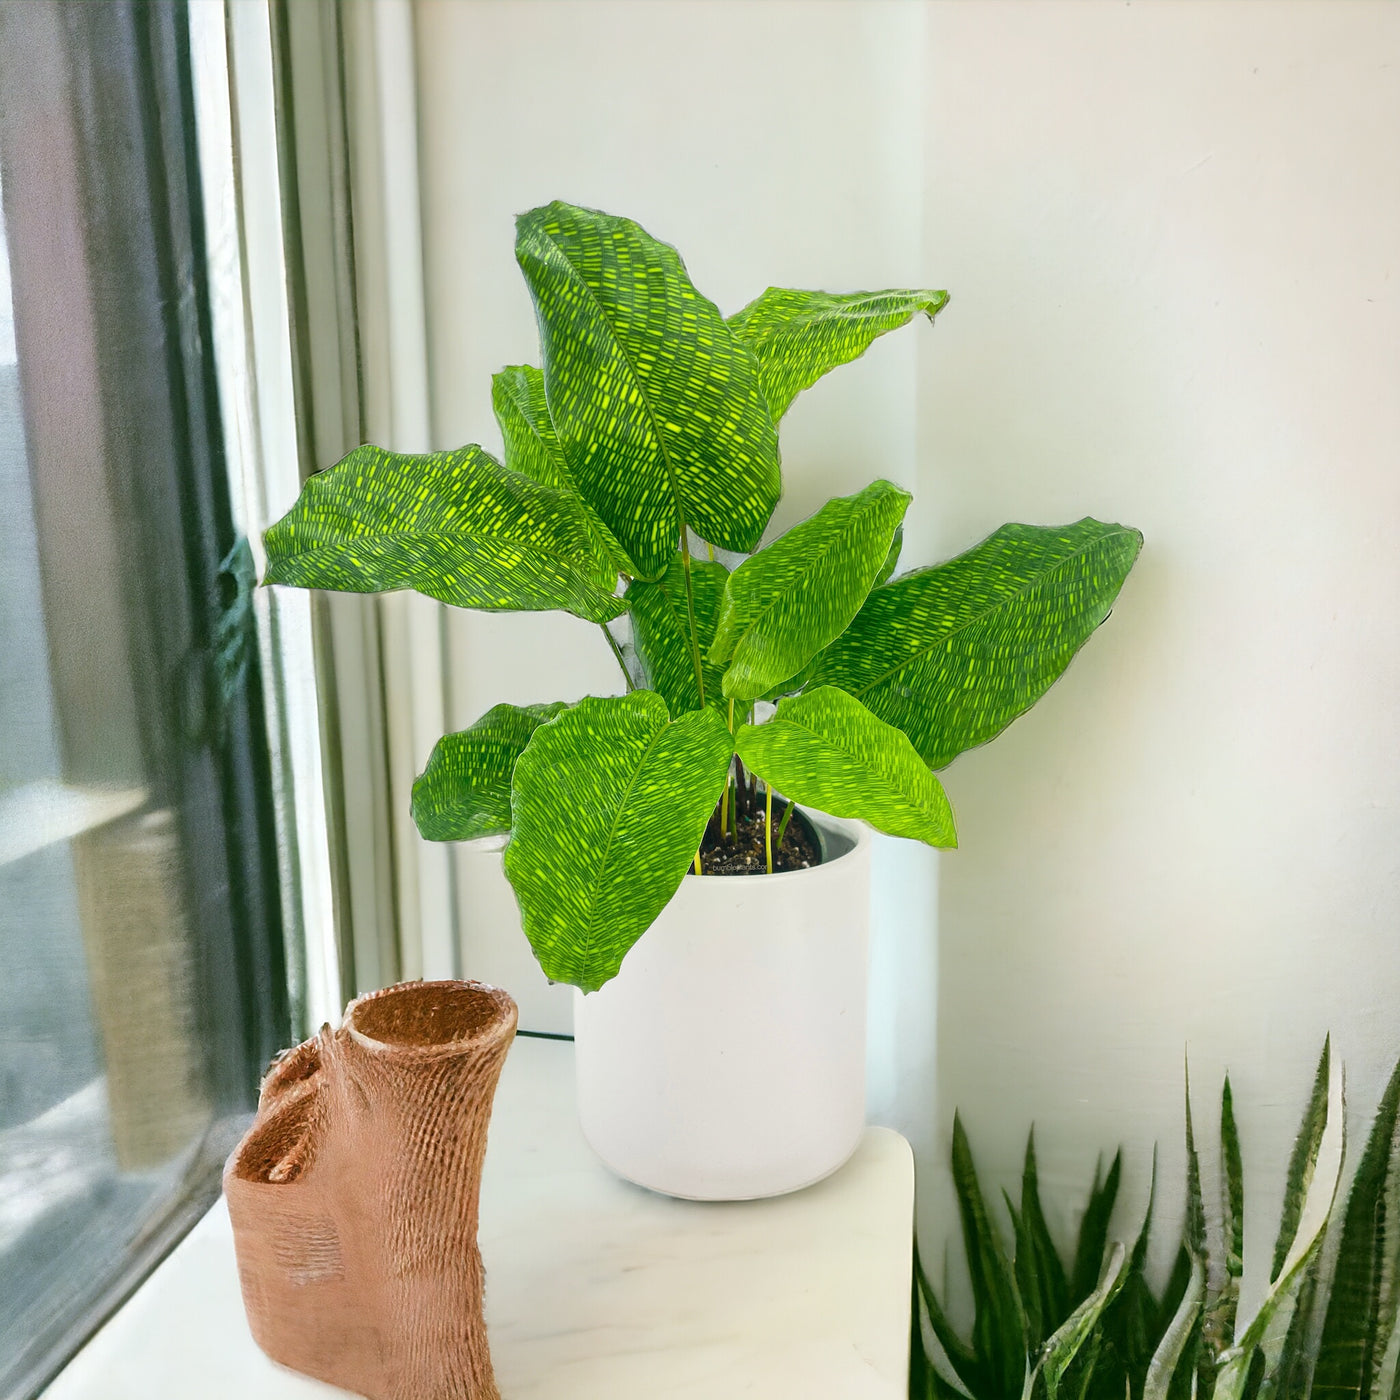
1095, 1329
645, 442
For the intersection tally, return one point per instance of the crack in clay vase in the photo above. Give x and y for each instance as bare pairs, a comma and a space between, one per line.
354, 1195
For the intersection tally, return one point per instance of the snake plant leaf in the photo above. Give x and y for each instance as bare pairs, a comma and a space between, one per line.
1040, 1273
1062, 1348
826, 750
456, 526
999, 1323
1362, 1306
953, 653
1222, 1304
609, 802
1303, 1160
1178, 1336
788, 601
661, 631
1093, 1231
1130, 1325
967, 1365
657, 404
464, 792
798, 336
532, 448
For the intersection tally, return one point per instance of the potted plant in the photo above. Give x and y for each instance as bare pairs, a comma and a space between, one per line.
725, 1057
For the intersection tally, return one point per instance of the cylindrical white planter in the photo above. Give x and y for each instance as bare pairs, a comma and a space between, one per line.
726, 1061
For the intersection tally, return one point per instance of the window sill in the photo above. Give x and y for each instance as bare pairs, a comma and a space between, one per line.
595, 1288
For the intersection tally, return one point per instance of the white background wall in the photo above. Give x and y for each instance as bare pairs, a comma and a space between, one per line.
1170, 232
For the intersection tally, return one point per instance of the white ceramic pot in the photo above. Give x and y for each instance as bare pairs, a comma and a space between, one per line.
726, 1060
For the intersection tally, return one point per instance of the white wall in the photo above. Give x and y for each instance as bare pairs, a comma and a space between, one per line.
1170, 233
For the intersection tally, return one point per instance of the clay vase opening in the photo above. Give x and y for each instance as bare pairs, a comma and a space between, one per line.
354, 1195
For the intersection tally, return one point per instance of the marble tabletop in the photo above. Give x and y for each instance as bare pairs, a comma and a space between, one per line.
596, 1289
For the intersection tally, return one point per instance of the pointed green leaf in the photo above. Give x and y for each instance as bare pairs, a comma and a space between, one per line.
1130, 1324
798, 336
464, 792
1040, 1274
1303, 1160
1081, 1324
952, 654
609, 802
1222, 1305
1176, 1340
661, 630
657, 404
1093, 1232
456, 526
1361, 1310
532, 448
785, 603
967, 1365
826, 750
999, 1327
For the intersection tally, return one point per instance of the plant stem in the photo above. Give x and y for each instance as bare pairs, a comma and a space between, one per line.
768, 827
711, 548
724, 809
782, 825
699, 870
617, 652
690, 616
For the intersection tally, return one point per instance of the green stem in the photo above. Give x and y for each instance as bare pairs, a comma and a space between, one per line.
768, 826
690, 616
724, 809
782, 825
699, 870
617, 652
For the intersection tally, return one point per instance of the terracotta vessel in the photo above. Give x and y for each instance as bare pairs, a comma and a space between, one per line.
354, 1195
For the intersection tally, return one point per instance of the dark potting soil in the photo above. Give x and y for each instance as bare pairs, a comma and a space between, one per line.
744, 854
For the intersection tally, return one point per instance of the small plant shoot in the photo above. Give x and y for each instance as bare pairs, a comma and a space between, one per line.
645, 440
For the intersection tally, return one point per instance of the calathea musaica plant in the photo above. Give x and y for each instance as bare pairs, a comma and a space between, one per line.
644, 443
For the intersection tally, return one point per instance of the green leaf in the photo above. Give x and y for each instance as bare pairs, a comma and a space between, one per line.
464, 792
1064, 1345
967, 1365
891, 559
661, 631
1177, 1338
657, 404
788, 601
1130, 1324
826, 750
1093, 1231
609, 803
999, 1328
798, 336
1224, 1308
952, 654
1362, 1307
456, 526
1303, 1161
532, 448
1040, 1273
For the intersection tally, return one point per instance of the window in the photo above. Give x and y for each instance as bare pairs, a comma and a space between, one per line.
141, 927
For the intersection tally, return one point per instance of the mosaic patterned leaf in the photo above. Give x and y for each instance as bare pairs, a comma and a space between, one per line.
891, 559
657, 404
797, 336
456, 526
785, 603
532, 448
661, 632
824, 749
952, 654
464, 792
609, 804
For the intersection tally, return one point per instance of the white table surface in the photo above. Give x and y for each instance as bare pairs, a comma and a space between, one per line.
595, 1289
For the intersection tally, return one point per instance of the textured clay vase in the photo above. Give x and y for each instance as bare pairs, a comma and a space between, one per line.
726, 1060
354, 1195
